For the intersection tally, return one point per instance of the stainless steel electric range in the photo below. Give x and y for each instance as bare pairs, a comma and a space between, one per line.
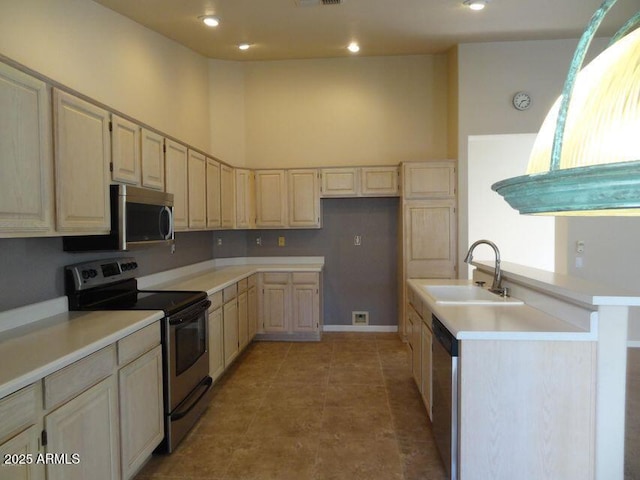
111, 285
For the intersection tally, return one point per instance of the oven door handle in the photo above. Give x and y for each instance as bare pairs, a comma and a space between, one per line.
207, 383
189, 316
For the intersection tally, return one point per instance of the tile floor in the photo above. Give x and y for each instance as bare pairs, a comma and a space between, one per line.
344, 408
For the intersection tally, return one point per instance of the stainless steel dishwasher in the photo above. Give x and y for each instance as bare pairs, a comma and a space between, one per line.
445, 396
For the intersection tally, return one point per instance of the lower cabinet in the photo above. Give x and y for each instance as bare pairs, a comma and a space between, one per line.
86, 429
230, 325
426, 356
243, 320
252, 306
290, 305
420, 340
24, 445
216, 337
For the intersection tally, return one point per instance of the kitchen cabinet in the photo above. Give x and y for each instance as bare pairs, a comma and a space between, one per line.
216, 336
214, 219
20, 429
290, 305
252, 306
26, 171
86, 425
271, 199
125, 151
140, 394
379, 181
227, 196
245, 198
243, 320
304, 198
152, 159
429, 180
82, 156
427, 364
230, 324
176, 182
197, 188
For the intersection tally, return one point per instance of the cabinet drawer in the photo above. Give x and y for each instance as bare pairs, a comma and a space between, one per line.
67, 383
243, 285
216, 301
19, 410
305, 278
134, 345
230, 293
253, 280
275, 278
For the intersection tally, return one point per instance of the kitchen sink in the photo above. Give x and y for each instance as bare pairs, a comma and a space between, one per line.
467, 295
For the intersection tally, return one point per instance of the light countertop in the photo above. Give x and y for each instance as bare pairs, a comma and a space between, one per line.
499, 322
31, 352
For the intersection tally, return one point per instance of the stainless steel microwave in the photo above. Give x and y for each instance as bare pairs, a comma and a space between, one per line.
139, 217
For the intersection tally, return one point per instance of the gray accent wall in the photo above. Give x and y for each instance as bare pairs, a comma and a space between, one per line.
356, 278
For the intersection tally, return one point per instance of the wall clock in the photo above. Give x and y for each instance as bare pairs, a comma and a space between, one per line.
521, 100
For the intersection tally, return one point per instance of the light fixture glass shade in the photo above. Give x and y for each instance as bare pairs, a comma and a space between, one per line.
586, 157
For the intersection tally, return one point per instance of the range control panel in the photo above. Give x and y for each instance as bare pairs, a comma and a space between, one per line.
99, 273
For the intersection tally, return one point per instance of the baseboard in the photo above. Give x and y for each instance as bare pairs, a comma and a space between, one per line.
360, 328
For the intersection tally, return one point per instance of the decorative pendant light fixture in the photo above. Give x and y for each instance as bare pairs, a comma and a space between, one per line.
586, 157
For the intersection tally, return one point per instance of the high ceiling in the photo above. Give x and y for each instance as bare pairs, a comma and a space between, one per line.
296, 29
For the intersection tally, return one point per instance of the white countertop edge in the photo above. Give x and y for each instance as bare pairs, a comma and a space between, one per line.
34, 312
633, 344
530, 336
564, 286
168, 275
39, 373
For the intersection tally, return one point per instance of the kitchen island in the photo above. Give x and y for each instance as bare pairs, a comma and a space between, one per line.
541, 384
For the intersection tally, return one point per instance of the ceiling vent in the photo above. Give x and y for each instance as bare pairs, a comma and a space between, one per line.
313, 3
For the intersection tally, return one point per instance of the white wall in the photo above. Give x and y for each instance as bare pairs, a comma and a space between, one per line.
530, 239
113, 60
346, 111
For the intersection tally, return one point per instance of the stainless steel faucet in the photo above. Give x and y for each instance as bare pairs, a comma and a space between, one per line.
496, 287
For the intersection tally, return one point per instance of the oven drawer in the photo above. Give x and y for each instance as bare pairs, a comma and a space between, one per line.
19, 411
69, 382
230, 293
216, 301
138, 343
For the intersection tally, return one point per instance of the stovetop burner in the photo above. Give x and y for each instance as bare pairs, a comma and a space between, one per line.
111, 285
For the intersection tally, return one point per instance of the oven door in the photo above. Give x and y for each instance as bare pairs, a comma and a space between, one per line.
187, 362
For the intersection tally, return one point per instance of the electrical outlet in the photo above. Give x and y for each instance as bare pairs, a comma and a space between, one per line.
219, 241
258, 240
281, 242
357, 240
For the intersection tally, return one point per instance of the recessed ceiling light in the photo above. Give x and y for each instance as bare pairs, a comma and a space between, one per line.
244, 46
476, 4
354, 47
210, 20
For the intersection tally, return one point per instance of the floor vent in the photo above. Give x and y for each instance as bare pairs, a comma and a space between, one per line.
359, 318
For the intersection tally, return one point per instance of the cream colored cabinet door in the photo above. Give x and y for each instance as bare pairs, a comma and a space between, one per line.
197, 190
379, 181
430, 239
22, 446
152, 159
276, 298
304, 198
26, 169
271, 198
82, 157
427, 365
176, 182
230, 320
125, 151
429, 180
243, 320
227, 194
339, 182
213, 194
245, 198
141, 410
216, 343
252, 311
87, 425
305, 302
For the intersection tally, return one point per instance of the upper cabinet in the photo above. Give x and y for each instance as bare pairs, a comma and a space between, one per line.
213, 194
245, 198
227, 193
176, 182
125, 151
82, 157
152, 158
271, 198
304, 198
360, 182
429, 180
197, 191
26, 168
